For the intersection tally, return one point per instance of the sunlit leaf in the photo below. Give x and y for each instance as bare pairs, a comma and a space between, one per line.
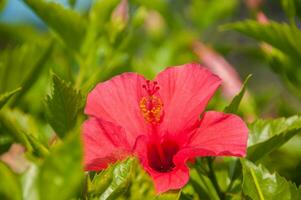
260, 184
114, 181
68, 24
29, 183
62, 106
18, 64
61, 174
34, 74
10, 126
268, 135
101, 181
233, 106
19, 126
10, 188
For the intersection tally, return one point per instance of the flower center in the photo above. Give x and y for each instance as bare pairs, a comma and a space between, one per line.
161, 159
151, 105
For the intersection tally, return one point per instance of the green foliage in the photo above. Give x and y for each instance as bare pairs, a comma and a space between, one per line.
21, 66
205, 13
268, 135
289, 8
62, 106
6, 96
2, 4
202, 185
260, 184
72, 3
113, 182
297, 4
61, 174
284, 53
233, 106
169, 196
9, 125
69, 25
36, 69
9, 122
5, 142
282, 36
10, 187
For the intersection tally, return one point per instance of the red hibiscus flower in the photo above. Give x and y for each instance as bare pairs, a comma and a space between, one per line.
159, 122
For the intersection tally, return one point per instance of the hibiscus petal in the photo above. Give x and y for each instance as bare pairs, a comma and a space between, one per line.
117, 101
185, 91
219, 134
173, 180
164, 181
104, 143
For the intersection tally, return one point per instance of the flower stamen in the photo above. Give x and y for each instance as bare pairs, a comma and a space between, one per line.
150, 105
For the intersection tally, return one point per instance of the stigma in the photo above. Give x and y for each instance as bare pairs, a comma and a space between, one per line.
151, 105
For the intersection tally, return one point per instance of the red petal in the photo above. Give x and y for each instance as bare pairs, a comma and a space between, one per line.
117, 101
104, 143
176, 179
219, 134
163, 181
185, 91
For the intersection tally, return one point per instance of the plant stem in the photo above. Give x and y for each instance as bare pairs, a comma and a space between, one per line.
213, 179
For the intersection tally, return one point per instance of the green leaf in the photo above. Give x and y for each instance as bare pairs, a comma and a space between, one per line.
202, 185
2, 4
287, 69
68, 24
5, 142
61, 174
18, 33
268, 135
9, 125
260, 184
99, 16
29, 182
289, 8
233, 106
72, 3
114, 181
6, 96
38, 149
10, 188
62, 106
298, 7
174, 195
212, 11
17, 65
34, 74
22, 129
121, 179
281, 36
101, 181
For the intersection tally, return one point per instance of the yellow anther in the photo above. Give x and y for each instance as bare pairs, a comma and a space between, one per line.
151, 109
